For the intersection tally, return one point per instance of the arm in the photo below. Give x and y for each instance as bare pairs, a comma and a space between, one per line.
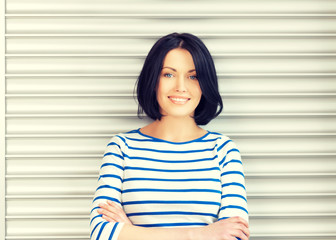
220, 230
234, 201
109, 188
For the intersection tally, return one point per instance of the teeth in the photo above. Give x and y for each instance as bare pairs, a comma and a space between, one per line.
179, 99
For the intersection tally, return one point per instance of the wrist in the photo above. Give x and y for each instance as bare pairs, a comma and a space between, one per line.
196, 233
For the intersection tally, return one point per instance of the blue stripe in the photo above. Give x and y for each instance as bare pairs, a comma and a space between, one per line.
171, 213
221, 146
170, 161
113, 230
173, 224
171, 151
95, 228
106, 197
151, 140
231, 161
216, 133
172, 180
222, 218
113, 154
170, 190
121, 139
109, 175
170, 202
100, 215
232, 172
232, 150
233, 183
112, 164
101, 230
132, 131
113, 144
94, 208
234, 195
233, 206
172, 170
108, 186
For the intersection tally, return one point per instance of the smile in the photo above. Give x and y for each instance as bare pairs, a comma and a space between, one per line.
179, 100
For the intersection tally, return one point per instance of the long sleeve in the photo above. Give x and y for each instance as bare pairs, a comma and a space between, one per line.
233, 201
109, 187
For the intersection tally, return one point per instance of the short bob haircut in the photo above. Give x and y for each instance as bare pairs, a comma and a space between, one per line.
210, 104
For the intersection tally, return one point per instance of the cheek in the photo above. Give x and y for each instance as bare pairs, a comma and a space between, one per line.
164, 87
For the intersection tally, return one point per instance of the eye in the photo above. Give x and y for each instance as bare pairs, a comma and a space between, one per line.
194, 77
168, 75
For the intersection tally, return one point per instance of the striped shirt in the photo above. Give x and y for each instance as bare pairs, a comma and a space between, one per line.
169, 184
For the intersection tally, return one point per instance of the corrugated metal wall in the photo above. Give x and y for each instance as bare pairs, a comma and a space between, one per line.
70, 70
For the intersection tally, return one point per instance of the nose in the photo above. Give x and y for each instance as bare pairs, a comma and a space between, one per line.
180, 84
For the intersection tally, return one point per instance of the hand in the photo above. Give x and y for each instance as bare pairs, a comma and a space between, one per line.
227, 229
112, 212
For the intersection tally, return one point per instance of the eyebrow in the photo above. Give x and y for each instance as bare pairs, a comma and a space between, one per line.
192, 70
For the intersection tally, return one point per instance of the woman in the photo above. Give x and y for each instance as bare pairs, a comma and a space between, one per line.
172, 179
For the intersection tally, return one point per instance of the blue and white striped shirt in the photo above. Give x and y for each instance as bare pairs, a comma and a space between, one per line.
169, 184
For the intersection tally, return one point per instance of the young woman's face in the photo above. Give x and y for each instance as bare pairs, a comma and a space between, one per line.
178, 91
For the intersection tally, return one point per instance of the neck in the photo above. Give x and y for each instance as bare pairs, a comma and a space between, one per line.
177, 129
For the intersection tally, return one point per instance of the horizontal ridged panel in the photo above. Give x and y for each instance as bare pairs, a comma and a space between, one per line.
89, 166
228, 125
258, 206
138, 25
156, 6
76, 105
122, 105
90, 145
309, 225
127, 65
86, 185
47, 227
227, 84
136, 45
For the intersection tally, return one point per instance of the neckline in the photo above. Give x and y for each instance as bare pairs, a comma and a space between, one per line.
162, 140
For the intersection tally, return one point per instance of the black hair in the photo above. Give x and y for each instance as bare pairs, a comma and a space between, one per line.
207, 108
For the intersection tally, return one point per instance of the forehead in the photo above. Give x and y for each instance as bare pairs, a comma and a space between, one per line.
178, 58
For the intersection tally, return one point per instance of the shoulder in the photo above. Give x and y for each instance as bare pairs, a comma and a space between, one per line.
223, 142
120, 139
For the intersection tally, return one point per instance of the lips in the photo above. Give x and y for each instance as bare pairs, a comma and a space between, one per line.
179, 99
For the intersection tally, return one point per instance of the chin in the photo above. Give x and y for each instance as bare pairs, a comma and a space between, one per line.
178, 114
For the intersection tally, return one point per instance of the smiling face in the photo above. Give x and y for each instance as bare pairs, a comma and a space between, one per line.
178, 91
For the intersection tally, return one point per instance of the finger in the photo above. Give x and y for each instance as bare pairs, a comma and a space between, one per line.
103, 205
107, 213
112, 209
241, 220
108, 218
244, 222
115, 217
240, 235
242, 228
246, 231
114, 204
